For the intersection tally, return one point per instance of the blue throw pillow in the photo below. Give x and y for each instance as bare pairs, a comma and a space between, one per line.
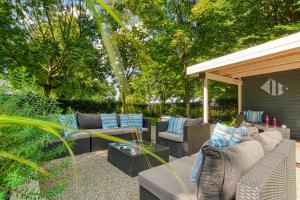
222, 132
176, 125
221, 143
124, 120
253, 116
238, 134
109, 121
135, 120
70, 121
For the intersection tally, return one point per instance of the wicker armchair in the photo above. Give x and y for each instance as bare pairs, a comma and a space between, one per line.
193, 138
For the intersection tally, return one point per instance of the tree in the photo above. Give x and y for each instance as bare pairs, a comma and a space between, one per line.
57, 43
171, 40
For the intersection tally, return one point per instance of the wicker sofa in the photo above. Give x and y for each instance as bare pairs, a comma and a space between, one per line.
194, 135
272, 177
84, 142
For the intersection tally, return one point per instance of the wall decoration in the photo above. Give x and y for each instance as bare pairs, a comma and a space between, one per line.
273, 87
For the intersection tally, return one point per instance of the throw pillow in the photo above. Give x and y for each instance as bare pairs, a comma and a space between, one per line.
176, 125
253, 116
88, 121
221, 168
135, 120
123, 120
198, 160
109, 121
238, 134
222, 132
69, 121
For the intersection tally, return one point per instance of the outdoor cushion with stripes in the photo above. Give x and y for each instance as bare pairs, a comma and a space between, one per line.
109, 121
124, 120
253, 116
176, 125
70, 121
135, 120
221, 143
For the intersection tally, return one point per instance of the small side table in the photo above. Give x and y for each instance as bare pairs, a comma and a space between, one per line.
286, 132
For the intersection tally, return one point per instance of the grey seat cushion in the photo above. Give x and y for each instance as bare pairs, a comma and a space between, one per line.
117, 131
163, 184
109, 131
171, 136
269, 139
221, 168
88, 121
80, 135
132, 130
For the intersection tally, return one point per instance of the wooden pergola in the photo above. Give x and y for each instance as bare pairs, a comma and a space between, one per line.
274, 56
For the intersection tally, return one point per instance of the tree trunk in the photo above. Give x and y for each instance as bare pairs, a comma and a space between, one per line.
123, 97
48, 87
187, 93
47, 90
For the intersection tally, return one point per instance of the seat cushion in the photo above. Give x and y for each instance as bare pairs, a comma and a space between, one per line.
161, 182
132, 130
80, 135
269, 139
88, 121
221, 168
171, 136
109, 131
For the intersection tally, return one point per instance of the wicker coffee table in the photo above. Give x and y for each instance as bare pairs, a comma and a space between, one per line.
131, 161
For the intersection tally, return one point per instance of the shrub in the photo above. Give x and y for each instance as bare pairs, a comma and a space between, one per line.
28, 143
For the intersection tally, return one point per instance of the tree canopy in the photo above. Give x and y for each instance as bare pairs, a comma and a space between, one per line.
60, 47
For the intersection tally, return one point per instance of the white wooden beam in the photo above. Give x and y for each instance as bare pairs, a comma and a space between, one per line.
285, 44
260, 63
205, 101
224, 79
277, 68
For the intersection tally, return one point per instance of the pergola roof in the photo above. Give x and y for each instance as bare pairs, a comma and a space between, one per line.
274, 56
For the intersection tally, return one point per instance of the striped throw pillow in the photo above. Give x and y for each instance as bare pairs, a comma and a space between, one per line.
176, 125
253, 116
222, 132
238, 134
124, 120
221, 143
135, 120
109, 121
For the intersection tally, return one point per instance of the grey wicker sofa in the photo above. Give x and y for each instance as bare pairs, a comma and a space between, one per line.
272, 177
84, 142
194, 135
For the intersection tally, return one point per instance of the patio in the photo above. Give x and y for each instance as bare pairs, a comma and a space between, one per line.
247, 69
98, 179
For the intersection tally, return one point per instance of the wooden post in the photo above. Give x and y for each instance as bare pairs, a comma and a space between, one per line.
240, 98
205, 101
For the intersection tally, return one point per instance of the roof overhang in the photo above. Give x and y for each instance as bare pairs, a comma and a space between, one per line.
274, 56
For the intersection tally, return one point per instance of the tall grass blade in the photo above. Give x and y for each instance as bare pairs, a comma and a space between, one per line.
111, 12
23, 161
